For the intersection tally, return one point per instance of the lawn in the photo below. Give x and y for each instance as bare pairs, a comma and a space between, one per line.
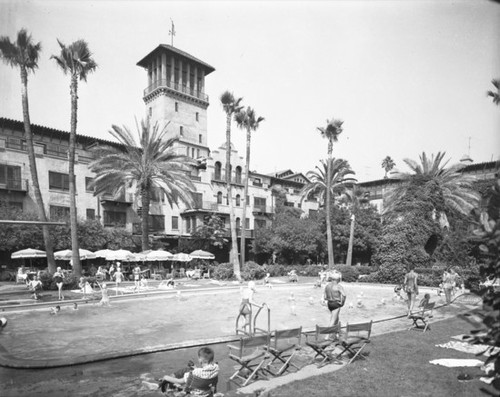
398, 365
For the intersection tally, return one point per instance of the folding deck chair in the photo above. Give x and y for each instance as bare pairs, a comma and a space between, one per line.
422, 315
323, 341
283, 346
357, 336
251, 363
200, 387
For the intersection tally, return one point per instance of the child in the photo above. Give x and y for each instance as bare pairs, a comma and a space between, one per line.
246, 303
137, 275
118, 278
59, 278
55, 310
208, 370
397, 292
35, 286
425, 301
267, 282
291, 301
105, 298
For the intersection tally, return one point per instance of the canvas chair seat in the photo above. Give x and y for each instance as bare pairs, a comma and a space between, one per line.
283, 346
357, 337
323, 341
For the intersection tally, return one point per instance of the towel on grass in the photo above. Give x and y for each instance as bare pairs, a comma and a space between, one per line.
468, 348
457, 362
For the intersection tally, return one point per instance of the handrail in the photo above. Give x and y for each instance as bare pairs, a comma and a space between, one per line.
252, 327
268, 319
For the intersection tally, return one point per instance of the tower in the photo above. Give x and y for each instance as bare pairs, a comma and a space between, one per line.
175, 95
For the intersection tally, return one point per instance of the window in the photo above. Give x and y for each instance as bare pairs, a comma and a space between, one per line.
197, 153
88, 182
51, 149
181, 130
247, 223
238, 199
192, 152
187, 151
200, 138
156, 223
175, 223
193, 220
58, 181
259, 202
115, 218
15, 143
238, 223
59, 213
198, 119
10, 176
260, 223
219, 198
198, 200
90, 213
150, 112
237, 177
218, 168
176, 106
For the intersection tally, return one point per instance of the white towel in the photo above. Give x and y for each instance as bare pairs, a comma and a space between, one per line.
457, 362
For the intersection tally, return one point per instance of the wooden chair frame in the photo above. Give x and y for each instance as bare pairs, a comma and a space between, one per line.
423, 315
356, 338
251, 365
324, 341
283, 346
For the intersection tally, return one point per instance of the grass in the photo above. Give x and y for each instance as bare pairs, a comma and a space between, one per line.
398, 365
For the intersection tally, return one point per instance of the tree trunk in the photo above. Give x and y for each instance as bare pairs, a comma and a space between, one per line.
245, 194
331, 261
351, 240
145, 201
233, 256
49, 250
77, 266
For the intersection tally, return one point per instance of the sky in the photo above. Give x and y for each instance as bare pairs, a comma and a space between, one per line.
404, 76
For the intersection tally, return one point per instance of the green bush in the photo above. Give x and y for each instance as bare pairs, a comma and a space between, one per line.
276, 270
365, 269
368, 278
70, 281
223, 271
350, 274
252, 271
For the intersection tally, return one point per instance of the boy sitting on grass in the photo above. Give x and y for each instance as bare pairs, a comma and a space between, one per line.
208, 370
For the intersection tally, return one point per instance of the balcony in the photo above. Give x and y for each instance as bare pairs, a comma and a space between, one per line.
221, 178
258, 184
124, 198
167, 84
15, 184
195, 178
248, 233
263, 209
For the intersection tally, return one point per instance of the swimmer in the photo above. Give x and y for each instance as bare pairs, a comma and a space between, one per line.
291, 301
55, 310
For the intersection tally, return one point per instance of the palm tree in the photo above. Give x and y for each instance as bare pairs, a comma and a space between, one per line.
331, 132
323, 188
248, 120
75, 60
447, 189
24, 54
150, 164
495, 95
388, 164
231, 105
356, 197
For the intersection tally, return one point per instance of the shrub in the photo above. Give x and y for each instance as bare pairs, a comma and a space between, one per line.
349, 273
276, 270
252, 271
223, 271
362, 270
368, 278
70, 281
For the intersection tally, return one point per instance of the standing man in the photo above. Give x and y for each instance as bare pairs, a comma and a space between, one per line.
334, 296
137, 275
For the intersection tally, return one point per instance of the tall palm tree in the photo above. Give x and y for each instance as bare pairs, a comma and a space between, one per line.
75, 60
495, 95
356, 198
247, 120
388, 164
331, 132
231, 105
447, 189
324, 187
152, 163
24, 54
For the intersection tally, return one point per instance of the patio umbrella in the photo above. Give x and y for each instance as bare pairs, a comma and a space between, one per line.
28, 253
119, 255
158, 256
200, 254
102, 253
181, 257
67, 255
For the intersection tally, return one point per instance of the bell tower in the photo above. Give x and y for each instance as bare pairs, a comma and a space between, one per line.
175, 96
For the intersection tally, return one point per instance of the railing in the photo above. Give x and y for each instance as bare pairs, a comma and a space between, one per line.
265, 209
17, 145
15, 184
63, 154
122, 198
258, 184
219, 177
206, 205
164, 83
195, 178
248, 233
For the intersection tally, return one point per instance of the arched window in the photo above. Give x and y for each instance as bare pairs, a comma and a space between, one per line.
237, 175
218, 167
219, 198
238, 199
238, 223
